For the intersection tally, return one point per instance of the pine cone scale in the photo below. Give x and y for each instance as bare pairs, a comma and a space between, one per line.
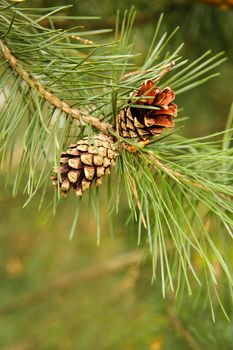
166, 97
100, 171
170, 110
86, 158
73, 175
163, 121
65, 186
98, 160
156, 131
75, 163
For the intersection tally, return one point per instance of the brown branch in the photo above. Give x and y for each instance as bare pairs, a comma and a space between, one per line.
66, 282
178, 177
135, 72
165, 71
82, 40
140, 72
49, 96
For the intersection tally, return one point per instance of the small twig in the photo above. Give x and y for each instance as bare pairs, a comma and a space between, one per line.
68, 281
178, 176
82, 40
49, 96
165, 71
175, 174
136, 72
140, 72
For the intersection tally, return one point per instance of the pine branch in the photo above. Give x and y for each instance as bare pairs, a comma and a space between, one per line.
50, 97
178, 189
178, 176
82, 40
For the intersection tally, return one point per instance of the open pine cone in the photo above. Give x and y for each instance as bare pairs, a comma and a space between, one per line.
84, 163
142, 123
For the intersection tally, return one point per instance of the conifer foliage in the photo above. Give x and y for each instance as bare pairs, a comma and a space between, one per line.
61, 88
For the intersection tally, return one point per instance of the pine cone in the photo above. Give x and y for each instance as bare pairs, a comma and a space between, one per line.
142, 123
83, 163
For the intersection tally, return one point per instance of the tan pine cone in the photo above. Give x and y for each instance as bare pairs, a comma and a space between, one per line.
142, 123
84, 163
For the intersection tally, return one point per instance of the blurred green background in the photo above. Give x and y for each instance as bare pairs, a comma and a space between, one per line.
57, 294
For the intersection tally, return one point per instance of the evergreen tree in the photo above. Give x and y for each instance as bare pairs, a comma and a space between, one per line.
77, 105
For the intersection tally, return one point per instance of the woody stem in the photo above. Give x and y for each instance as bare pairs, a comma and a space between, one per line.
49, 96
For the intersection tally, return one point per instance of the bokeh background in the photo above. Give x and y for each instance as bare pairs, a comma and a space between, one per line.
62, 295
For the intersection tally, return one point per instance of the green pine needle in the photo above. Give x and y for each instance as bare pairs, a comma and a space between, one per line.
179, 191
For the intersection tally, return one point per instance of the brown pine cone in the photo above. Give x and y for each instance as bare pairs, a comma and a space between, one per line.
142, 123
84, 163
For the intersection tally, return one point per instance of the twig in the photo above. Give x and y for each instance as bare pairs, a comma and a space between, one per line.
178, 176
175, 174
66, 282
136, 72
49, 96
82, 40
165, 71
140, 72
